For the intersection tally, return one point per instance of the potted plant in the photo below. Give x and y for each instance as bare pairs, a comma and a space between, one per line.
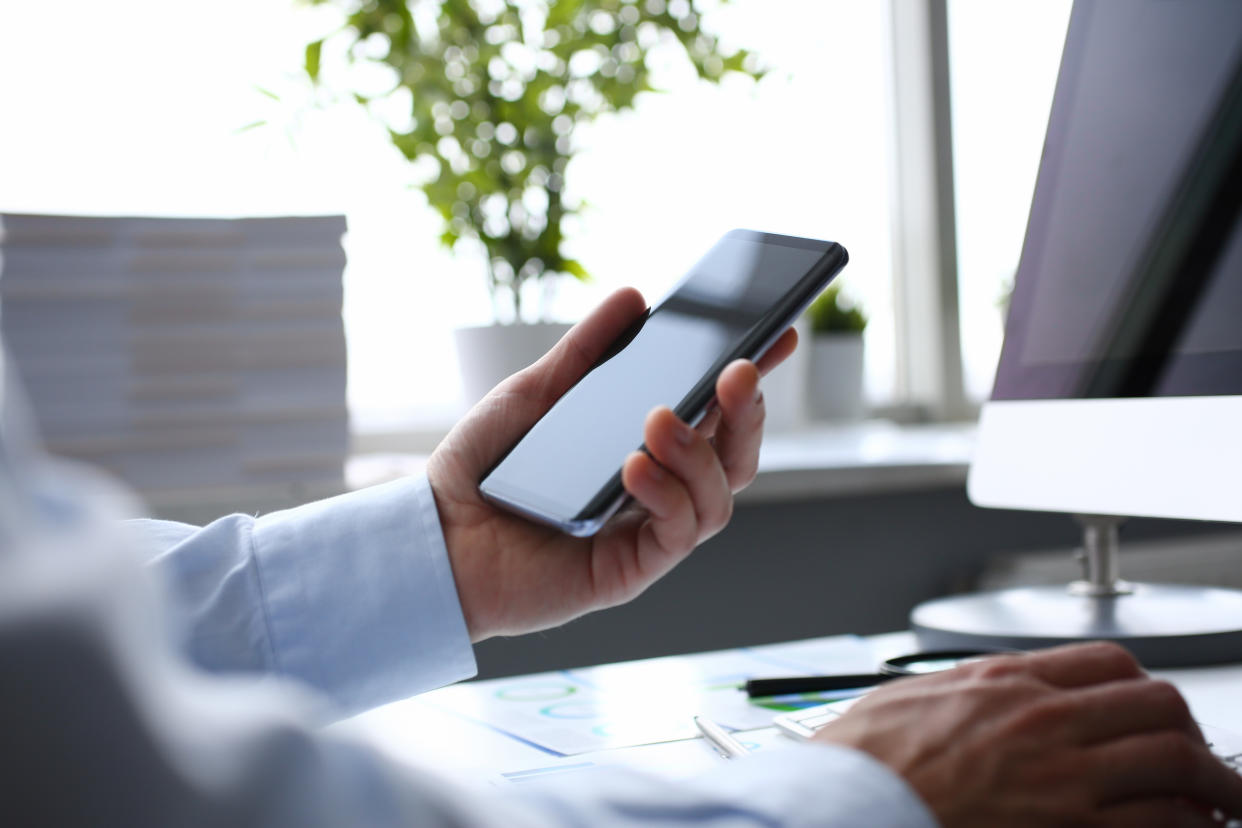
835, 381
496, 92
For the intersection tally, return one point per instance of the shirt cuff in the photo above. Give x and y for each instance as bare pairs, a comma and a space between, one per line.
360, 597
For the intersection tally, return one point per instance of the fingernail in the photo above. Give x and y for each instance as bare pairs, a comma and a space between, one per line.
684, 434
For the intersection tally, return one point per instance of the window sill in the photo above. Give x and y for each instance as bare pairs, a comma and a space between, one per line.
824, 460
871, 457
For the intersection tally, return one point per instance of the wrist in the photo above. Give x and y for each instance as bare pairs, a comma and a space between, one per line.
457, 545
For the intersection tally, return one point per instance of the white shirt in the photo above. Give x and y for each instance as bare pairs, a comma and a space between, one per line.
289, 620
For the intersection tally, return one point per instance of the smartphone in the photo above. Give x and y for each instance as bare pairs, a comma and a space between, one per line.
734, 303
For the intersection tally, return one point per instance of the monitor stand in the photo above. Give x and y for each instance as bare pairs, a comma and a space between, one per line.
1162, 625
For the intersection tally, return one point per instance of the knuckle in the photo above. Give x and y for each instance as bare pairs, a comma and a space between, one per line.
1030, 720
1007, 692
998, 667
684, 535
1114, 656
741, 476
1166, 697
1178, 756
759, 413
1042, 715
716, 520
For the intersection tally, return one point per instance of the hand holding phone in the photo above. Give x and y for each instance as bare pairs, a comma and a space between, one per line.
515, 576
734, 303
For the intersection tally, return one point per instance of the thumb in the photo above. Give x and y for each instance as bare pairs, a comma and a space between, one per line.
544, 382
512, 407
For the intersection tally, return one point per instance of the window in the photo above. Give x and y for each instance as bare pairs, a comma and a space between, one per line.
140, 105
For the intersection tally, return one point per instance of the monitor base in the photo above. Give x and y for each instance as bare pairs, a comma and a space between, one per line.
1163, 626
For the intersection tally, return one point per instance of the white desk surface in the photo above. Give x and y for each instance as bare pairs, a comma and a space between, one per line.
448, 731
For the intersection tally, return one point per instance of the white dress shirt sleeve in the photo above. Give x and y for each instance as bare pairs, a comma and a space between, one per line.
353, 595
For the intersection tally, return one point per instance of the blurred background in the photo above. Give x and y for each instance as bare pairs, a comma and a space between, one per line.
909, 131
138, 107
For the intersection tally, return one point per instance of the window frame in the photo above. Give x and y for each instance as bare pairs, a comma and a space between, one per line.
925, 267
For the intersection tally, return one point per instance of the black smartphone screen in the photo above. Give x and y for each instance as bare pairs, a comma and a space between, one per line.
734, 302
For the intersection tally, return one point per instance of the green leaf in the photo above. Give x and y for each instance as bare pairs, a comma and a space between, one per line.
453, 33
831, 313
574, 268
313, 50
250, 126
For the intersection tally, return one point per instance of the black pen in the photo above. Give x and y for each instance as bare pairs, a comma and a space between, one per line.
811, 684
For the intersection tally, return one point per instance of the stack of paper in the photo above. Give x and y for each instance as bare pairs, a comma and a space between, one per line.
182, 353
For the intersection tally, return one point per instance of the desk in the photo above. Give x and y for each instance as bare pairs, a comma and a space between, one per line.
457, 727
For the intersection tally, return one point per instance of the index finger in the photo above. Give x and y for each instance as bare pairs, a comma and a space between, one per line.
779, 351
740, 427
1079, 665
737, 421
1074, 665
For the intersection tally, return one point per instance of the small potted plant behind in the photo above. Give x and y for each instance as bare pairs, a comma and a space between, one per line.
835, 380
496, 91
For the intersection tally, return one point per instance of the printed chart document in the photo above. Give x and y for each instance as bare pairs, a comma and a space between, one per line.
515, 731
673, 760
571, 712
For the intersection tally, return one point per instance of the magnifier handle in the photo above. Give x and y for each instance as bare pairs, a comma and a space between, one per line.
756, 688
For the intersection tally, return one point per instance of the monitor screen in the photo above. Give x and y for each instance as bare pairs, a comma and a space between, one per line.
1130, 280
1119, 389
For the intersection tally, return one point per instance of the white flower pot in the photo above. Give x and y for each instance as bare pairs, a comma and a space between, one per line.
835, 381
784, 388
487, 354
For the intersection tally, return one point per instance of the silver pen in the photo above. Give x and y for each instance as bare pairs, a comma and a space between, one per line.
725, 745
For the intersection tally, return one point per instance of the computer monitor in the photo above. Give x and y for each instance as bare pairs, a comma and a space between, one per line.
1119, 389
